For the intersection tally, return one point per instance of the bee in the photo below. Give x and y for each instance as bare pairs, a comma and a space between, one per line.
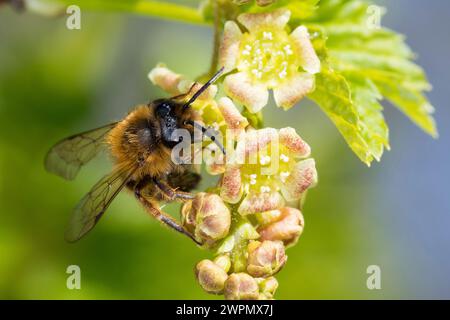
140, 146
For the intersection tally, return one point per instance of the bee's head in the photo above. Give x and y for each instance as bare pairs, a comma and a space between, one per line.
171, 117
173, 114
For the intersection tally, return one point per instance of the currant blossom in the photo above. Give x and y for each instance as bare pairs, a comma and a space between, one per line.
267, 57
270, 167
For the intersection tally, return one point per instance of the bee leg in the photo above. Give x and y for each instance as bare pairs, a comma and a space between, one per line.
157, 213
171, 193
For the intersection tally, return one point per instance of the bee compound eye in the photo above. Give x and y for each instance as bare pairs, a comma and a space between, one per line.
163, 109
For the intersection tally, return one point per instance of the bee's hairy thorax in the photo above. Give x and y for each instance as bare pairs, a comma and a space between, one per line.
137, 140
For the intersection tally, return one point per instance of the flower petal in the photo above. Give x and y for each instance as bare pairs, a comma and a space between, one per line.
305, 50
233, 118
166, 79
302, 177
229, 47
278, 19
292, 141
287, 228
231, 190
293, 90
239, 87
214, 159
260, 202
257, 140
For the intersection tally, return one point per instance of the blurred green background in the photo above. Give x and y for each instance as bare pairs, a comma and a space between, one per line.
55, 82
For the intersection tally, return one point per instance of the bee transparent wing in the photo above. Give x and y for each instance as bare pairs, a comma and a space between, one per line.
94, 204
67, 156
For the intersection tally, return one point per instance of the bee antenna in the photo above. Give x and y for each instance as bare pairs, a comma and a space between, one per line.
203, 88
207, 133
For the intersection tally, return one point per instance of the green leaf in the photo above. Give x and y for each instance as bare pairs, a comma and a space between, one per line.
352, 103
373, 127
381, 56
363, 127
333, 95
300, 9
411, 102
376, 64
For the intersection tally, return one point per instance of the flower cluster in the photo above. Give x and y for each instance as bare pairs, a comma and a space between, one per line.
252, 215
262, 200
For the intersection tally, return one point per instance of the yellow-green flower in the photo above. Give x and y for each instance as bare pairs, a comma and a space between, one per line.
267, 57
268, 167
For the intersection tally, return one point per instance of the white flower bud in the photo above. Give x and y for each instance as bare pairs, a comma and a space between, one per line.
265, 258
210, 276
241, 286
207, 218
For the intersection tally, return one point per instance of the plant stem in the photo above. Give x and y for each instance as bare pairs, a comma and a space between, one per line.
158, 9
